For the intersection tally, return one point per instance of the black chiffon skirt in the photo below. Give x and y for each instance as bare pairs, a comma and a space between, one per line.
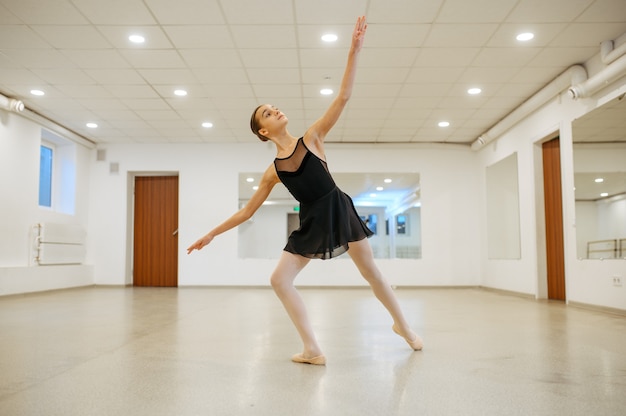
327, 225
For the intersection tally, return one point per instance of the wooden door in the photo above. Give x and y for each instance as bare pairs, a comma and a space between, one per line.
554, 219
155, 246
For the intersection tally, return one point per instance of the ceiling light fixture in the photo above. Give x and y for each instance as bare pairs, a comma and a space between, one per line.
180, 93
599, 180
388, 180
38, 93
92, 125
443, 124
249, 179
524, 37
326, 91
474, 91
329, 37
379, 188
604, 194
136, 39
207, 124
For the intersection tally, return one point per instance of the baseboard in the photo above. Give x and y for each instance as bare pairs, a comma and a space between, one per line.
46, 291
508, 292
596, 308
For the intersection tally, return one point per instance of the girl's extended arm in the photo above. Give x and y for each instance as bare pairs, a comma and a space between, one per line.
268, 181
317, 132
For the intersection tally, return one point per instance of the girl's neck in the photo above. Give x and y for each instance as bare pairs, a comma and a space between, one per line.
284, 142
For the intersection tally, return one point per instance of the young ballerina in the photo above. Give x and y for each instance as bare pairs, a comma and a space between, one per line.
329, 223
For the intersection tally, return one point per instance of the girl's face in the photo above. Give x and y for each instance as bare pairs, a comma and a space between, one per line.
270, 119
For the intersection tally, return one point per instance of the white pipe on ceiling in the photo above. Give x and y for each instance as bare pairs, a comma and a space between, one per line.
612, 53
570, 76
57, 128
11, 104
610, 50
600, 80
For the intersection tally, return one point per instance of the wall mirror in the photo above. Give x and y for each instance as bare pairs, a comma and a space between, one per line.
389, 203
600, 181
503, 235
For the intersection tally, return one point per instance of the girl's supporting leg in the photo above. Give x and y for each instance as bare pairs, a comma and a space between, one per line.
282, 281
361, 254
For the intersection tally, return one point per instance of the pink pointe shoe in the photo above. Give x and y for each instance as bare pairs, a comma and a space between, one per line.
417, 344
299, 358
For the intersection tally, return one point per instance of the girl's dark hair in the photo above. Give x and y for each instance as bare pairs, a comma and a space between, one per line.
255, 126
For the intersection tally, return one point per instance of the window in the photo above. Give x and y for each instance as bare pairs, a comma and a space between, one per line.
371, 221
401, 224
45, 175
57, 173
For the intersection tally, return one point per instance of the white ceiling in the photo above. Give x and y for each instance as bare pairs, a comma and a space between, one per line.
419, 59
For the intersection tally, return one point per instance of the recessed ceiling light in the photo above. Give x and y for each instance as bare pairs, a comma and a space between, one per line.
136, 39
207, 124
249, 179
326, 91
92, 125
474, 91
372, 195
387, 180
524, 37
603, 194
37, 92
443, 124
329, 37
379, 188
180, 93
599, 180
255, 187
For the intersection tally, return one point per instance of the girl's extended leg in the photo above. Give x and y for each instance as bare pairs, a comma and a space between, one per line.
282, 280
361, 254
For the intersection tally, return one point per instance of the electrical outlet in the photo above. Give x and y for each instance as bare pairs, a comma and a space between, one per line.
617, 280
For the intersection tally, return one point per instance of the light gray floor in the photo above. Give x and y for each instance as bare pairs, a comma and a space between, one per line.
101, 351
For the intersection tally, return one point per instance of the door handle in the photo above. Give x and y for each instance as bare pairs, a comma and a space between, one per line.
175, 232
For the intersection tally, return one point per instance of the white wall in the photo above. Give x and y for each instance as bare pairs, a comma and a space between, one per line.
208, 194
20, 141
587, 281
453, 219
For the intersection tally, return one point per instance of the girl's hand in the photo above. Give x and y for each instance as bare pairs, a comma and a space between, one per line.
200, 243
359, 33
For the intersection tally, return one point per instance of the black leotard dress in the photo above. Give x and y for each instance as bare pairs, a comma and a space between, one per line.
328, 219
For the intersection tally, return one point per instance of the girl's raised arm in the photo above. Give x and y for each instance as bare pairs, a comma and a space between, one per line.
317, 132
269, 179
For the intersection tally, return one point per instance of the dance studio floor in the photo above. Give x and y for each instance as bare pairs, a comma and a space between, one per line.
226, 351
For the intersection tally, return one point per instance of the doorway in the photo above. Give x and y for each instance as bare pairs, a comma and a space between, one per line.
155, 231
293, 223
553, 206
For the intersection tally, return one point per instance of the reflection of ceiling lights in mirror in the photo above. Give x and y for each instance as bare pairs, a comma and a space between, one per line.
398, 187
587, 187
596, 135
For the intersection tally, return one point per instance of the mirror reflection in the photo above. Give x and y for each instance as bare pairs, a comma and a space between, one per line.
389, 203
503, 234
600, 181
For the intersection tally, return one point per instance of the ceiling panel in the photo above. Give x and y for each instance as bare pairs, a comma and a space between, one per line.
190, 12
418, 60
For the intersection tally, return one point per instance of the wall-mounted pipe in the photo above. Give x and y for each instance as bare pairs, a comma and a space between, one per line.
601, 79
572, 75
11, 104
610, 50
